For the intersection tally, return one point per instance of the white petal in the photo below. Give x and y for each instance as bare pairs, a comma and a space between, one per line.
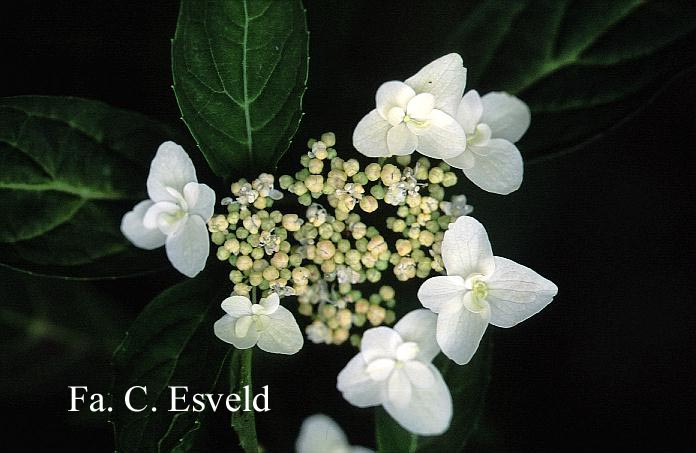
419, 326
429, 411
401, 140
466, 249
442, 293
370, 135
497, 168
237, 306
320, 434
442, 138
271, 303
379, 342
392, 94
463, 160
283, 335
164, 216
469, 111
225, 330
356, 385
460, 333
200, 199
171, 167
516, 292
445, 79
507, 115
242, 326
188, 248
419, 374
398, 389
421, 106
380, 369
135, 231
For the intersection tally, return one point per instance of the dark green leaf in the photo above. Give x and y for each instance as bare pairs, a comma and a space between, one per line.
55, 333
240, 70
171, 343
582, 66
70, 169
468, 386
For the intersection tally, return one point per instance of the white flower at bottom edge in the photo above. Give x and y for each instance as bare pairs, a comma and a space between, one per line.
393, 369
479, 288
417, 114
266, 324
492, 124
320, 434
176, 213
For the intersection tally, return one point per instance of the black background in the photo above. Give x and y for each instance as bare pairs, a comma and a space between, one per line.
609, 364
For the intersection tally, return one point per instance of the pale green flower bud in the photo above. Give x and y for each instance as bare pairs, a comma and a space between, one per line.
280, 260
352, 257
373, 171
286, 181
304, 160
426, 238
298, 188
305, 199
413, 200
340, 336
233, 218
403, 247
360, 178
390, 175
258, 253
244, 263
315, 166
368, 204
421, 173
325, 231
373, 275
232, 246
218, 223
343, 245
271, 273
403, 160
359, 230
378, 191
399, 226
325, 249
255, 278
218, 237
436, 191
314, 183
304, 309
242, 289
436, 175
300, 276
284, 247
291, 222
376, 315
402, 211
236, 276
241, 233
260, 203
450, 179
337, 163
295, 260
328, 266
389, 317
368, 260
222, 254
432, 226
377, 244
339, 258
351, 167
328, 138
387, 292
361, 245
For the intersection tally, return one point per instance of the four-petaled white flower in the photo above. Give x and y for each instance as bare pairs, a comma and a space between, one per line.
266, 324
492, 124
417, 114
393, 369
320, 434
176, 213
479, 288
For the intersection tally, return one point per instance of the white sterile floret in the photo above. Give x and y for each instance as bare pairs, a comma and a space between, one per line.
492, 124
417, 114
176, 213
393, 369
479, 289
266, 324
320, 434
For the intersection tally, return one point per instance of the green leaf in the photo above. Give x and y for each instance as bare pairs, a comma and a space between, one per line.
240, 71
468, 384
582, 66
243, 423
171, 343
55, 333
70, 169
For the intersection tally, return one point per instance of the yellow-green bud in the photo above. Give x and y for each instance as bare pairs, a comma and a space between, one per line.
260, 203
390, 174
236, 276
368, 204
280, 260
223, 254
450, 179
378, 191
376, 314
218, 237
328, 266
387, 292
403, 247
291, 222
271, 273
255, 278
359, 230
328, 138
300, 276
361, 306
403, 160
315, 166
258, 253
436, 175
298, 188
242, 289
325, 249
233, 218
368, 260
426, 238
373, 171
218, 223
314, 183
285, 181
244, 263
398, 226
351, 167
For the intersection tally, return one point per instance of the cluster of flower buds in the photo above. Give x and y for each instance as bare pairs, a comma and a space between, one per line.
323, 253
